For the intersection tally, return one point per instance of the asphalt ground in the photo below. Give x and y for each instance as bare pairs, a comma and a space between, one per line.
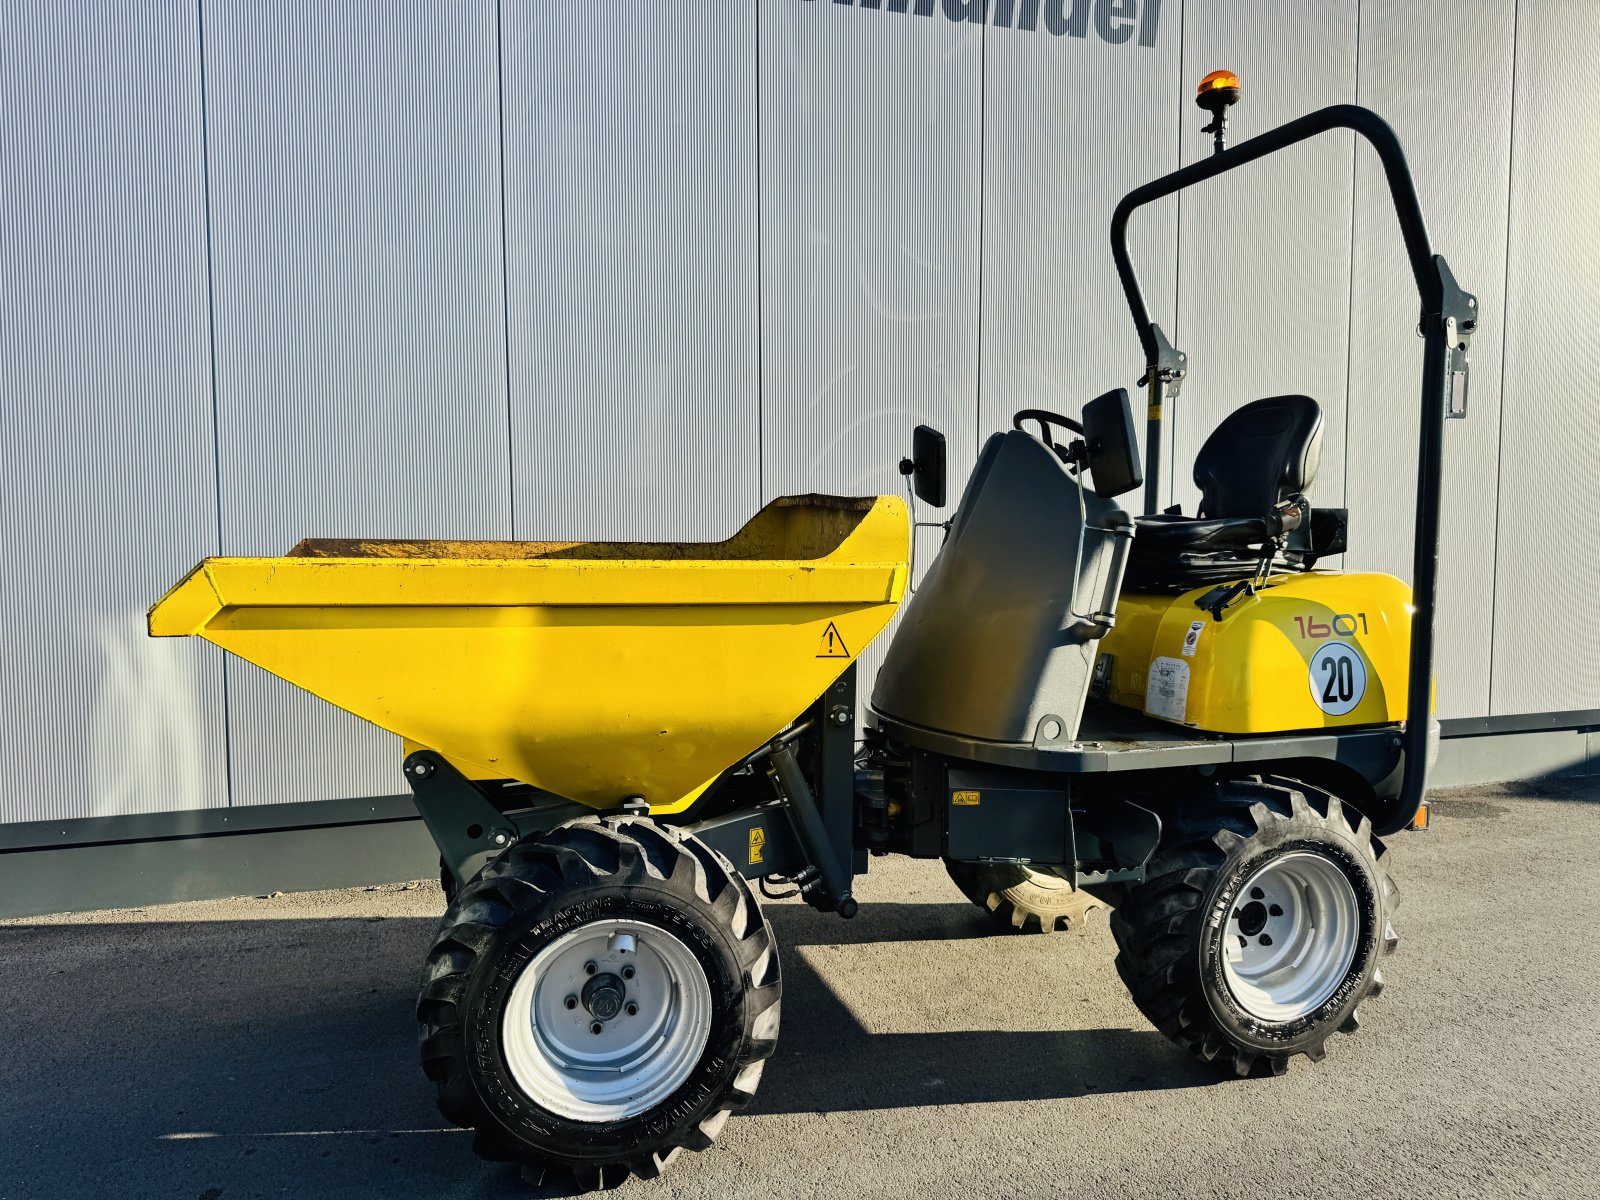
265, 1047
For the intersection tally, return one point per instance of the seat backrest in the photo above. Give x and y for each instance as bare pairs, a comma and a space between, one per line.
1260, 454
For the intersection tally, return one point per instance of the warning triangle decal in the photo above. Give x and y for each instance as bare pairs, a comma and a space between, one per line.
832, 644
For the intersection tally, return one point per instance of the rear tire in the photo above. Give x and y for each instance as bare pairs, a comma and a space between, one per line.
447, 882
1018, 898
1260, 927
599, 999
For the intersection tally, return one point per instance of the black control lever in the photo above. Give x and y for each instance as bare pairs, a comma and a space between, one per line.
1217, 600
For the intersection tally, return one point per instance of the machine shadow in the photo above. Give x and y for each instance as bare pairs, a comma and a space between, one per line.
1471, 800
827, 1061
876, 923
285, 1051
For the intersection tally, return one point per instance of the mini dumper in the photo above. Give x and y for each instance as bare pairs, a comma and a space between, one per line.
1185, 719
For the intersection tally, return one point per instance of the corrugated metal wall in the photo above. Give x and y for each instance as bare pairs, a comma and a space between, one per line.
1457, 133
871, 185
630, 184
360, 354
1264, 253
1547, 568
109, 475
514, 269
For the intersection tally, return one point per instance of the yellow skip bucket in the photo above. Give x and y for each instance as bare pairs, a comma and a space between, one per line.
593, 670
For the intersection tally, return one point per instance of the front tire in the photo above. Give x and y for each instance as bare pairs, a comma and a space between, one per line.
599, 999
1018, 898
1260, 927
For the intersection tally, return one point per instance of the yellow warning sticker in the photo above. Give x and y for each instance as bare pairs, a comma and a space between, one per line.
967, 799
758, 842
1154, 412
832, 643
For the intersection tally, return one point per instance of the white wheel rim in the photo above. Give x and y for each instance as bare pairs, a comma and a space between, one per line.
1291, 936
644, 1049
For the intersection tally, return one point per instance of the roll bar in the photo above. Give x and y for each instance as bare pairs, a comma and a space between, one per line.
1449, 317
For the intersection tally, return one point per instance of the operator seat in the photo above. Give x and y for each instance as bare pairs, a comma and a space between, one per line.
1262, 455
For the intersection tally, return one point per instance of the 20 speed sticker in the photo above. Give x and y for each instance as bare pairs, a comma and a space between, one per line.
1338, 678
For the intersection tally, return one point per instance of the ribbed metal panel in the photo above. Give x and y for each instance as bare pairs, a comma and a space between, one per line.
1070, 126
870, 189
108, 490
871, 137
1547, 571
1264, 253
1440, 72
355, 221
630, 142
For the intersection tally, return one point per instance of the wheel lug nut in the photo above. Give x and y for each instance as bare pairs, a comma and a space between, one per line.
627, 972
571, 1002
596, 1027
632, 1009
589, 968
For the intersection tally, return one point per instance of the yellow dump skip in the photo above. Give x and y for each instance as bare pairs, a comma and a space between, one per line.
594, 670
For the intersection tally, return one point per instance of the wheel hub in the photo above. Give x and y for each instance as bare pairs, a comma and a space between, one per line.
1252, 917
603, 995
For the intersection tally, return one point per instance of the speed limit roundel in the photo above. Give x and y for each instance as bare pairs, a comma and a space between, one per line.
1338, 678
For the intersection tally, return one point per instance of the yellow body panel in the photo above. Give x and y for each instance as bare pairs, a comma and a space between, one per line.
1309, 651
594, 670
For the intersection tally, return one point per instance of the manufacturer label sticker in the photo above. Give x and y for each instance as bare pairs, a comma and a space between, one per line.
1338, 678
1191, 640
1166, 691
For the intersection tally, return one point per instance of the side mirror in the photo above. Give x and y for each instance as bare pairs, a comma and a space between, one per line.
1112, 446
926, 465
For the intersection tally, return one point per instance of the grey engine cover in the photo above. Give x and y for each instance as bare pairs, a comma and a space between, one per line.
987, 647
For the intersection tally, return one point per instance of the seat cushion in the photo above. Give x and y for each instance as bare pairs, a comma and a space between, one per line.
1172, 553
1168, 534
